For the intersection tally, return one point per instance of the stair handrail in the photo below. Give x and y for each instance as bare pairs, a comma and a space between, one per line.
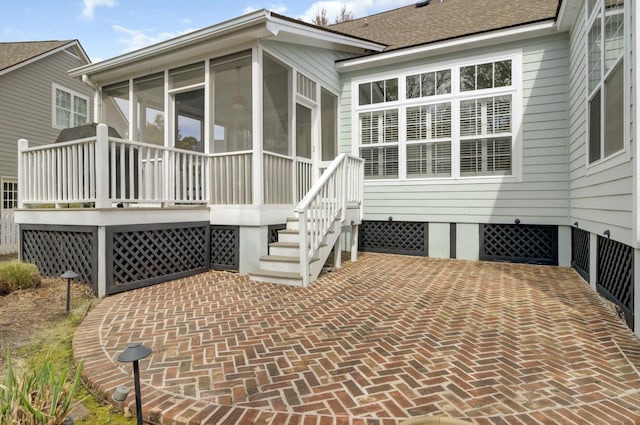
332, 185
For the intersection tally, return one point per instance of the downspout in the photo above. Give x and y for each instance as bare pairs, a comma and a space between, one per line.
97, 97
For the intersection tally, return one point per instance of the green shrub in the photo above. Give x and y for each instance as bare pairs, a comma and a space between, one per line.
15, 275
40, 397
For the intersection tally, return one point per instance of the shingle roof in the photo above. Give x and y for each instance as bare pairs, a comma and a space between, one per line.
14, 53
441, 20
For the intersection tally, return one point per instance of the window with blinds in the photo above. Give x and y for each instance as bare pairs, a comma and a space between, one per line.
377, 128
430, 127
486, 117
455, 122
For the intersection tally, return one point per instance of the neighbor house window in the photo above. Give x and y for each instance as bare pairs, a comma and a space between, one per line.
9, 194
427, 127
70, 108
605, 59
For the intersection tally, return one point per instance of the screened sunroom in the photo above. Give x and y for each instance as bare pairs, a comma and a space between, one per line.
231, 125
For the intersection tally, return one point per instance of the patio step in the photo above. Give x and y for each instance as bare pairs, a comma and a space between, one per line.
293, 235
282, 263
282, 278
287, 249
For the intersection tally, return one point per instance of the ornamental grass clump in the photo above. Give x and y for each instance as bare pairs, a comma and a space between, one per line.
15, 275
40, 397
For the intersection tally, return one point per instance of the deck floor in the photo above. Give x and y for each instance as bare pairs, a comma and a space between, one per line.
386, 338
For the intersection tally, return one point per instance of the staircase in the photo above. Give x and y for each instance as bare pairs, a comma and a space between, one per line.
334, 201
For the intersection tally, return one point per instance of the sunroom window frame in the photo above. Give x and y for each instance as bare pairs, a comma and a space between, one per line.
623, 155
454, 97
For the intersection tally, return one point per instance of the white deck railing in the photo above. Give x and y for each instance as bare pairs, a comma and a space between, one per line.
340, 185
105, 171
278, 178
232, 178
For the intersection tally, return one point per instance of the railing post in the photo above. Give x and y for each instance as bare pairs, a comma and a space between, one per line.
102, 166
304, 249
23, 144
344, 188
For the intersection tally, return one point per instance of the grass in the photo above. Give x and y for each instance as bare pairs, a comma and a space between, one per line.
15, 275
53, 344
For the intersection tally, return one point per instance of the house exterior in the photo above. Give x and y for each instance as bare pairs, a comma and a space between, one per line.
482, 130
37, 99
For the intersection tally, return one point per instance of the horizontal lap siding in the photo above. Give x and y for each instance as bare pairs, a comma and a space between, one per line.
26, 104
314, 62
600, 200
542, 196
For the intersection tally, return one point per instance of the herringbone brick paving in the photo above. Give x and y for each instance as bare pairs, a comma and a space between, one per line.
382, 339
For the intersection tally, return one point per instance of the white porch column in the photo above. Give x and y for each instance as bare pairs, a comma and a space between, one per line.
102, 166
257, 162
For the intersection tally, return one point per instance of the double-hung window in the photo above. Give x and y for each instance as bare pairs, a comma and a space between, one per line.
379, 133
446, 122
605, 59
70, 109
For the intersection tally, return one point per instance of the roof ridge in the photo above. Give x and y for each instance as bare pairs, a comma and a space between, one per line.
37, 41
375, 14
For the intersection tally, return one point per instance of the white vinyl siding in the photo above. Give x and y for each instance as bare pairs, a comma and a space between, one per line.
315, 63
26, 104
541, 197
601, 198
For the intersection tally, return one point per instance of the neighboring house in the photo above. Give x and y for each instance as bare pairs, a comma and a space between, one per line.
38, 98
489, 130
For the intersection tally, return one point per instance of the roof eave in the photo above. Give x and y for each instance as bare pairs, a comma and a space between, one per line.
567, 14
232, 25
274, 26
515, 33
322, 37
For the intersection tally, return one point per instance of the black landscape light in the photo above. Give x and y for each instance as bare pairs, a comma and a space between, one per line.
69, 274
134, 353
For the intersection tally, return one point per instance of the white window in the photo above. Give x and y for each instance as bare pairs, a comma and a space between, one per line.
70, 109
605, 59
451, 122
9, 193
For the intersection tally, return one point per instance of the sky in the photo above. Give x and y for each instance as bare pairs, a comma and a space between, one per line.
107, 28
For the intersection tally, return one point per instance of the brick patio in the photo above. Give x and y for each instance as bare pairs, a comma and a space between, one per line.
383, 339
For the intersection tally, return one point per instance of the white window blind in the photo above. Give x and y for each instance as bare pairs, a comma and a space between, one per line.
376, 128
430, 124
